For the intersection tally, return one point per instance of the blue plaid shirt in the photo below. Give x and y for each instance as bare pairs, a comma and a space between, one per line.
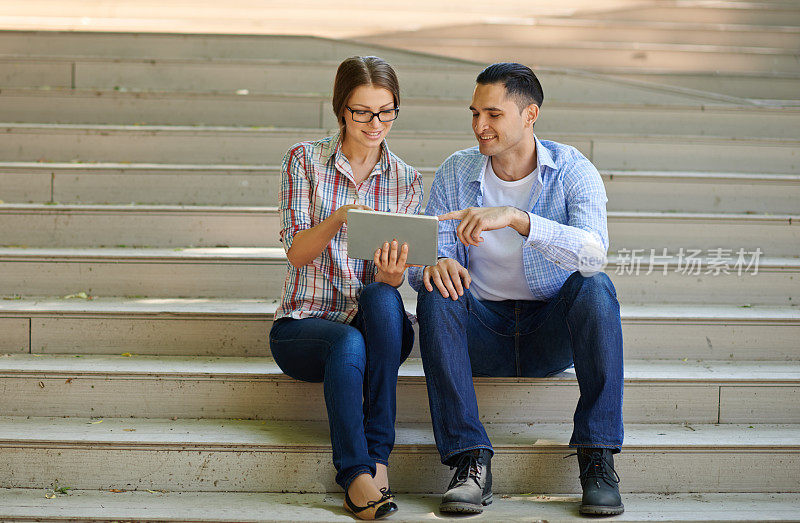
567, 209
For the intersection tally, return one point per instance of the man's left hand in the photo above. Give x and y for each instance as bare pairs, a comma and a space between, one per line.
475, 220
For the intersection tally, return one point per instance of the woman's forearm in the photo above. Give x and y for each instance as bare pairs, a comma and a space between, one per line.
309, 243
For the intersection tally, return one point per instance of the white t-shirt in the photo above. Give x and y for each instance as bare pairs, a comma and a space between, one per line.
496, 264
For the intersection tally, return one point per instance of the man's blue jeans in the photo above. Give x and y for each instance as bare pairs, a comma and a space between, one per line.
467, 337
358, 366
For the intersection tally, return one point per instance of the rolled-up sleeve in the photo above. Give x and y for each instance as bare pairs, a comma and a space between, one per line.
587, 226
294, 195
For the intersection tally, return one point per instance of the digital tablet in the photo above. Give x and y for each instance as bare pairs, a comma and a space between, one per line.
367, 231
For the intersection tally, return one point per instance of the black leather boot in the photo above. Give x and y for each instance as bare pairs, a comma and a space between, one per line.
471, 487
600, 482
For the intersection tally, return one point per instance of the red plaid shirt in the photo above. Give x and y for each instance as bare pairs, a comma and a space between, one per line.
316, 179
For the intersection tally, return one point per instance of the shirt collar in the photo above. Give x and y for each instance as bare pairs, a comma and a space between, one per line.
543, 158
332, 148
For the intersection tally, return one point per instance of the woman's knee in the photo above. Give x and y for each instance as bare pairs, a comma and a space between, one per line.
380, 297
305, 353
348, 348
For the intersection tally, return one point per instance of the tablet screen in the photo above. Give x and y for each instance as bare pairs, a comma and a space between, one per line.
367, 231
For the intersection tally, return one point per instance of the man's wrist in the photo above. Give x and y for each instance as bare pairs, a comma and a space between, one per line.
520, 221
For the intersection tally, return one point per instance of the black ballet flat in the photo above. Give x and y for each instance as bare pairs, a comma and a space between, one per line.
386, 507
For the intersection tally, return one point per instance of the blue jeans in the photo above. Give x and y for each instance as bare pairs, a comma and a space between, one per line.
467, 337
358, 366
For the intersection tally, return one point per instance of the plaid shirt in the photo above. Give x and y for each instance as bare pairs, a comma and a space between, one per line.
567, 209
316, 179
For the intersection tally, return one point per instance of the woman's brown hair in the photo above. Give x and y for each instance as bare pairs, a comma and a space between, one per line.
362, 70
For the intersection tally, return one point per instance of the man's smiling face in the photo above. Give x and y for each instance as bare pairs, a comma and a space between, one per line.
497, 121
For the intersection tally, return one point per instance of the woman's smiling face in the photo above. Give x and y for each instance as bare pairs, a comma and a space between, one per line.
372, 99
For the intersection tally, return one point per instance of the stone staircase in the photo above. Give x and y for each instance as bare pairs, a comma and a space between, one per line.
140, 268
741, 48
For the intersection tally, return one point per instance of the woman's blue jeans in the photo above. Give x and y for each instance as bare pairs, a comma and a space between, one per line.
467, 337
358, 365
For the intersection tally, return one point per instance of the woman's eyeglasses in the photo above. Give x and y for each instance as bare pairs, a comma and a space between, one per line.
361, 116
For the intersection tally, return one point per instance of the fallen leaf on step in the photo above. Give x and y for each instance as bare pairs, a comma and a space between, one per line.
129, 430
69, 380
115, 490
126, 354
41, 384
81, 295
49, 495
95, 422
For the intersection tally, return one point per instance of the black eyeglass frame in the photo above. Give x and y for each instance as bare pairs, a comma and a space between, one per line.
374, 115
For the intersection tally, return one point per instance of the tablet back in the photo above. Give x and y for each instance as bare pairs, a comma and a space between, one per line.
368, 230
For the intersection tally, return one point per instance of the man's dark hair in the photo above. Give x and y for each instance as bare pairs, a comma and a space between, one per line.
519, 81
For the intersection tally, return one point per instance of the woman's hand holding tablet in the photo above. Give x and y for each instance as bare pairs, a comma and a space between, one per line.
391, 263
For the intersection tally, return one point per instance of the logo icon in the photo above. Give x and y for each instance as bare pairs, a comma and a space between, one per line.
591, 259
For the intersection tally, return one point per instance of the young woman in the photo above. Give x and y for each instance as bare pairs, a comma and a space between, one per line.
341, 321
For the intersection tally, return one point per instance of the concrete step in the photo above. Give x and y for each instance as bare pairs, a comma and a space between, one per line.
597, 56
174, 46
279, 77
154, 273
259, 456
709, 13
640, 276
240, 16
780, 89
255, 388
118, 183
251, 185
231, 327
550, 30
32, 225
237, 145
27, 504
674, 231
687, 192
653, 277
139, 226
309, 111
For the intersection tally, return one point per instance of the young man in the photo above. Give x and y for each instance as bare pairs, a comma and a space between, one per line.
517, 289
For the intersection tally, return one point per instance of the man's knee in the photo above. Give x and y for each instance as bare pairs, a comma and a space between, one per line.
595, 293
435, 298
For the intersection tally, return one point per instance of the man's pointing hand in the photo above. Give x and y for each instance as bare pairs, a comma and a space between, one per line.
475, 220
